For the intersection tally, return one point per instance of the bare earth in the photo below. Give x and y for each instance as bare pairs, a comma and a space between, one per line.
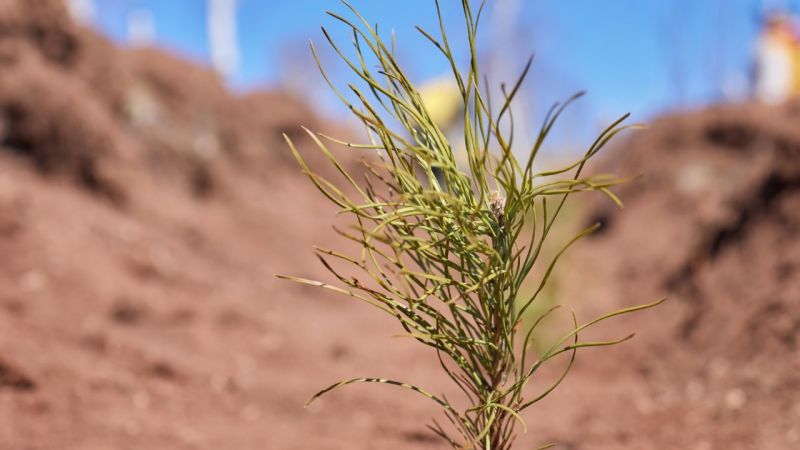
144, 213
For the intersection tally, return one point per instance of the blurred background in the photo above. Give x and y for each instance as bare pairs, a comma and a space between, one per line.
147, 201
643, 58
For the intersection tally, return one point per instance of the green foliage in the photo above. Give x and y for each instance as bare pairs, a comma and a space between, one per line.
445, 249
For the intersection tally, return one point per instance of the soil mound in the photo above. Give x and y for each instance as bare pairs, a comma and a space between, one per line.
713, 223
73, 104
144, 211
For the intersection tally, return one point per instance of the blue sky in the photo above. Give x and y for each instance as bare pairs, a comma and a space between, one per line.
630, 55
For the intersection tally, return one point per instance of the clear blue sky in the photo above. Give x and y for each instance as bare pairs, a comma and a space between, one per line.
631, 55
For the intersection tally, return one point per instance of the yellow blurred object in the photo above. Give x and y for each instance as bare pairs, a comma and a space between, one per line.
443, 101
796, 67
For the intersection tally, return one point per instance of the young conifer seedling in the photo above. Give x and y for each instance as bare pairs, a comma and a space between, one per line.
446, 246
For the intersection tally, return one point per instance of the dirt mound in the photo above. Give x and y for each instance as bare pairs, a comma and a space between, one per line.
714, 224
74, 104
144, 212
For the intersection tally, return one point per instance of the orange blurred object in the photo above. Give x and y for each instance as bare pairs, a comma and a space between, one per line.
777, 75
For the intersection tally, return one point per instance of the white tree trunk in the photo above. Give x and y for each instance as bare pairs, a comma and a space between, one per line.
222, 33
82, 10
141, 28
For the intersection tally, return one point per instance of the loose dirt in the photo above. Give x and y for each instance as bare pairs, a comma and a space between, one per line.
144, 212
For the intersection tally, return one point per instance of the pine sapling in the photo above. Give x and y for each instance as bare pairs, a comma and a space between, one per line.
445, 245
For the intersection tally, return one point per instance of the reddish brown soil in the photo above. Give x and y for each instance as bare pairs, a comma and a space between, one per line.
714, 224
144, 213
